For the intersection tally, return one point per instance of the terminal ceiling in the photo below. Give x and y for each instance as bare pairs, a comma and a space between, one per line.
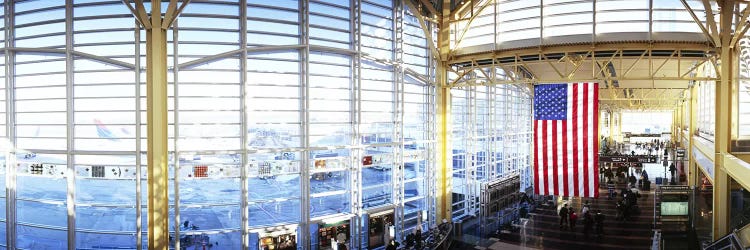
649, 70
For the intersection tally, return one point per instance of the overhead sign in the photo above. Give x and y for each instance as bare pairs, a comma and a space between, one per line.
680, 152
637, 158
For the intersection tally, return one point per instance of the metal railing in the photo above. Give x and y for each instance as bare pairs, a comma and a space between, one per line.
656, 240
739, 239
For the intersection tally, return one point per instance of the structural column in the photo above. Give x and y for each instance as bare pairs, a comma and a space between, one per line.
445, 151
611, 128
619, 126
723, 122
692, 125
156, 101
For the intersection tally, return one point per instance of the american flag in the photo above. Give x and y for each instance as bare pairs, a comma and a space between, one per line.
566, 139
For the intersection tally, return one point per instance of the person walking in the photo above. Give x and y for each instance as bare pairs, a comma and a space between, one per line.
564, 215
573, 217
672, 169
585, 209
588, 224
599, 218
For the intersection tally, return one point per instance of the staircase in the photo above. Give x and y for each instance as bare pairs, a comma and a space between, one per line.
543, 231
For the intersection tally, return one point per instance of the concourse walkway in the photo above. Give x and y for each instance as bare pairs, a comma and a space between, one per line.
542, 230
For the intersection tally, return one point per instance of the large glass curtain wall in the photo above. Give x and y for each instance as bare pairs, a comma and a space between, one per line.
491, 140
279, 117
743, 92
706, 104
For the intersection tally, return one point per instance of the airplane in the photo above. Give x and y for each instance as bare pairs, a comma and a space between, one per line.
103, 132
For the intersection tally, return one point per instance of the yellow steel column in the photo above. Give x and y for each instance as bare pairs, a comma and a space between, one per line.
673, 134
722, 134
619, 126
680, 121
692, 125
156, 87
677, 124
445, 151
611, 128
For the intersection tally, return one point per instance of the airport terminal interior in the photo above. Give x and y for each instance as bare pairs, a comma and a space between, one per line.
370, 124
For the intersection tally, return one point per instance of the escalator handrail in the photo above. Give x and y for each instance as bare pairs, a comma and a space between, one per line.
732, 239
742, 235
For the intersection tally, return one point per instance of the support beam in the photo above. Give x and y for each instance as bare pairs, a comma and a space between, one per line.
139, 12
444, 174
636, 62
697, 21
467, 5
173, 13
611, 127
692, 125
430, 7
444, 167
723, 99
742, 26
664, 63
468, 22
156, 113
712, 27
422, 23
559, 73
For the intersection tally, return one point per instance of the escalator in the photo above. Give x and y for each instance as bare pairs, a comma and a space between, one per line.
736, 240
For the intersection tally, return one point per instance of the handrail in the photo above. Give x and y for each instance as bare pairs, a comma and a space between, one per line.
743, 236
656, 241
656, 193
730, 241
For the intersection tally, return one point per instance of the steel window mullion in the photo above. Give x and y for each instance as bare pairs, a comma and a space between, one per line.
137, 71
244, 212
356, 197
176, 127
304, 53
71, 209
10, 157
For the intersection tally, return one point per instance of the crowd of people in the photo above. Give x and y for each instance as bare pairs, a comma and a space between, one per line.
591, 220
652, 147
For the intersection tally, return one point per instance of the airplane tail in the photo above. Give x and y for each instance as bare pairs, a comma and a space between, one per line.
103, 132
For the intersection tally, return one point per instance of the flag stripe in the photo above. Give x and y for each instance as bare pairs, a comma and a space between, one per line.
551, 169
590, 141
553, 135
565, 157
575, 141
540, 157
569, 142
585, 141
544, 157
536, 156
580, 141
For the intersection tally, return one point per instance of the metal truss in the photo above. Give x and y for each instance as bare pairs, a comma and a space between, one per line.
633, 65
615, 99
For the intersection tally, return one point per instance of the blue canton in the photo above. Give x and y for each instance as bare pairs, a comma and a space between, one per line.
550, 101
